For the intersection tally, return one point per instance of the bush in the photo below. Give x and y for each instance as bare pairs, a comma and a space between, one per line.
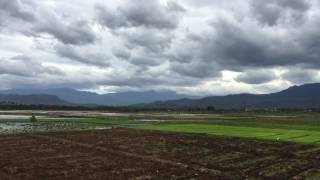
33, 118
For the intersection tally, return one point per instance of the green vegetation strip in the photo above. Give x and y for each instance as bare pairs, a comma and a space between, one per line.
292, 135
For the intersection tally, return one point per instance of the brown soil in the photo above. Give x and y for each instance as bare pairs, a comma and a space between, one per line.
135, 154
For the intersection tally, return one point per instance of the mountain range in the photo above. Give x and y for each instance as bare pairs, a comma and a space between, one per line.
89, 98
38, 99
304, 96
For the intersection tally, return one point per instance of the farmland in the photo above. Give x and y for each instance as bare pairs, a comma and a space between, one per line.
295, 127
135, 154
99, 145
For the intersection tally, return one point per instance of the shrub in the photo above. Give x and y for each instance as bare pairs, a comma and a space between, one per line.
33, 118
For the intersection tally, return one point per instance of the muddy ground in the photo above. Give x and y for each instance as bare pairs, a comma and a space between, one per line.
135, 154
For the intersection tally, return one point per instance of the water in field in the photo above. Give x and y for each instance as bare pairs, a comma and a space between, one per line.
10, 127
13, 117
20, 122
152, 120
114, 114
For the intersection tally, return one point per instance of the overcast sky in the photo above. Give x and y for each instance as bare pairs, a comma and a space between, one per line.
204, 47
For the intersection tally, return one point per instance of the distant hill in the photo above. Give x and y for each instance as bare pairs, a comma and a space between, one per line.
304, 96
32, 100
111, 99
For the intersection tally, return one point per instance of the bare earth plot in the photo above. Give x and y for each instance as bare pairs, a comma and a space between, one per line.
137, 154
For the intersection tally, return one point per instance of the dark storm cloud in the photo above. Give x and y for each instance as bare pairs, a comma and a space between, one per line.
143, 61
301, 76
235, 47
69, 51
246, 44
188, 44
16, 9
34, 20
256, 77
121, 53
24, 66
232, 45
187, 58
196, 69
148, 80
150, 14
145, 27
149, 39
272, 11
77, 33
239, 45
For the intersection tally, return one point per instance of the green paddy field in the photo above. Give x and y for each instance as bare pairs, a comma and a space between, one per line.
300, 128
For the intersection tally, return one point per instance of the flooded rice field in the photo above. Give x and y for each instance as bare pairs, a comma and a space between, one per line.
47, 121
10, 127
20, 121
13, 128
